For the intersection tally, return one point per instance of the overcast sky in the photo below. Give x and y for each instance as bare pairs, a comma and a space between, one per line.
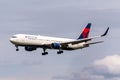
60, 18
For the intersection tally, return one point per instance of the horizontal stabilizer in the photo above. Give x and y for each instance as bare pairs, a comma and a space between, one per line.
95, 42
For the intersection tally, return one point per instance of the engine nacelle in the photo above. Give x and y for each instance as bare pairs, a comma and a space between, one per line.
55, 45
30, 48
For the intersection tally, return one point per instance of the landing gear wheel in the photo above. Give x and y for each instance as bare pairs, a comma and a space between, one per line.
17, 49
59, 52
45, 53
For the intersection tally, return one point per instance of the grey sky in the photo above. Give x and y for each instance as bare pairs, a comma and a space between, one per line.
60, 18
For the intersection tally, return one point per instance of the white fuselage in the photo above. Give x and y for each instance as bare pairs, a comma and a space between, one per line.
42, 41
23, 39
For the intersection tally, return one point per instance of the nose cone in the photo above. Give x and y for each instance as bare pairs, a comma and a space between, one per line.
12, 40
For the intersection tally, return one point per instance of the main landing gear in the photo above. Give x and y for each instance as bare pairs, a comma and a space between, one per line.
44, 53
60, 52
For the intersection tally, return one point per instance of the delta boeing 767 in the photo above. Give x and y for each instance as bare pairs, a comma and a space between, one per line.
32, 42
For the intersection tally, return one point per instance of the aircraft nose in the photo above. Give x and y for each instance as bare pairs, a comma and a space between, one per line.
12, 40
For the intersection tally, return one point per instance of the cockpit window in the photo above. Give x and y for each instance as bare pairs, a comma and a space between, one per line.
14, 36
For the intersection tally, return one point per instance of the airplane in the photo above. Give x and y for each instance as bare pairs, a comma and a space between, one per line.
32, 42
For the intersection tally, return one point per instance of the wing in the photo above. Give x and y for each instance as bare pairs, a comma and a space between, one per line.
79, 41
85, 39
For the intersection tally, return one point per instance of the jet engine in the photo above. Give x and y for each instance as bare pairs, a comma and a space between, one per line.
30, 48
55, 45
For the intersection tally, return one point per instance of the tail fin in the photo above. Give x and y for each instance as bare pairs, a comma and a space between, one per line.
85, 32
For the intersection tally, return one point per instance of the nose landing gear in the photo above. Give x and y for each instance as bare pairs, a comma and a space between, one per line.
17, 49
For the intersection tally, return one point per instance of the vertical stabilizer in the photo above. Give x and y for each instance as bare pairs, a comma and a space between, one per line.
85, 32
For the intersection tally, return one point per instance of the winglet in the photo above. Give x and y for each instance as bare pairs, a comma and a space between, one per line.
105, 32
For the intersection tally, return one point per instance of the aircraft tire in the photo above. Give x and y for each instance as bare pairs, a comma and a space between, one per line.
45, 53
